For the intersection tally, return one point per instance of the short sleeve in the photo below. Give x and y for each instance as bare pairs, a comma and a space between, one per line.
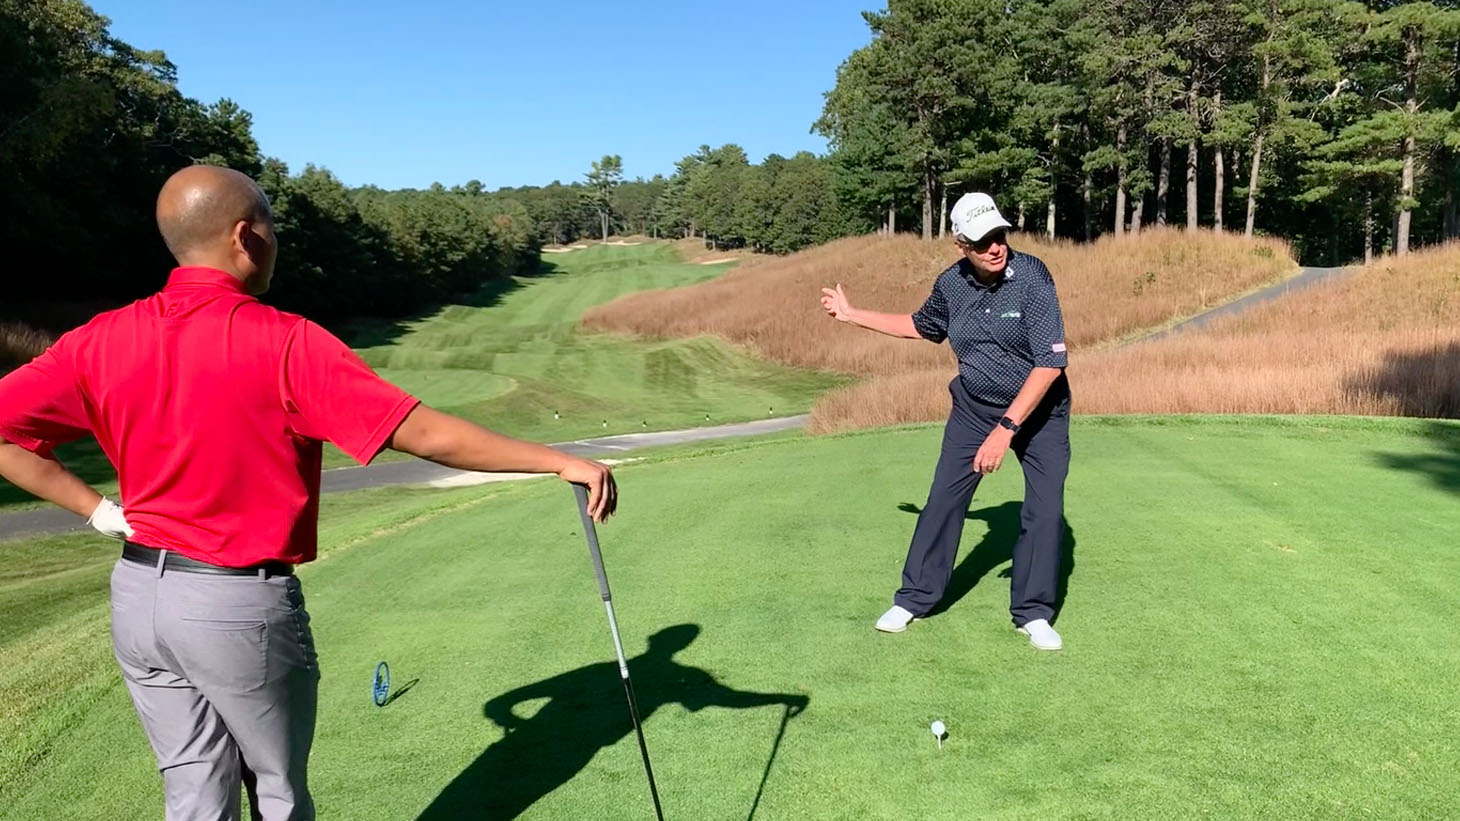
931, 320
330, 394
1045, 325
41, 404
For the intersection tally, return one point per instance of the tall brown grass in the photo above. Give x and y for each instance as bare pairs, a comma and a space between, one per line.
1108, 290
1383, 341
19, 344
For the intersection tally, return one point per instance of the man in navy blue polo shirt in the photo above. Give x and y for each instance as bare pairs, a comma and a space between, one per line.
998, 310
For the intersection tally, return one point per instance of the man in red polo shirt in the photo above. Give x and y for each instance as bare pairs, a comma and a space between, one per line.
212, 407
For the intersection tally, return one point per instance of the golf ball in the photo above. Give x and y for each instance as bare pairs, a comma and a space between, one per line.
939, 730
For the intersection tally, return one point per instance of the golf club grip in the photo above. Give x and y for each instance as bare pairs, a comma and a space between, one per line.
590, 532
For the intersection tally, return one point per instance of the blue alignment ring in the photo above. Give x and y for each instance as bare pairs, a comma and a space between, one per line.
381, 688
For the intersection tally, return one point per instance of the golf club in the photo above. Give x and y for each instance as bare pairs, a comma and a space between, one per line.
591, 534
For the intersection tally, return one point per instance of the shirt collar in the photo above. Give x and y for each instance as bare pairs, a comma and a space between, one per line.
200, 275
967, 269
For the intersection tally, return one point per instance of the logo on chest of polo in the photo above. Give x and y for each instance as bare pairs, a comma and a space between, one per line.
1010, 315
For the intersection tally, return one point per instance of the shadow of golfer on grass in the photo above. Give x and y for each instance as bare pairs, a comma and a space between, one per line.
586, 712
996, 548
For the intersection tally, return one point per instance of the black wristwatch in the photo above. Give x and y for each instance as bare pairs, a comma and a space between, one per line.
1006, 422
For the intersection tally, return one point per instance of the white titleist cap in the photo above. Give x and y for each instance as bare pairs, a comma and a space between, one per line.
975, 216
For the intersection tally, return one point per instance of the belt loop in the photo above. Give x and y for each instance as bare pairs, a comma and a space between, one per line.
161, 561
263, 574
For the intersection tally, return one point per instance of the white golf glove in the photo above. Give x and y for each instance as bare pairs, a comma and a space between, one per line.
109, 521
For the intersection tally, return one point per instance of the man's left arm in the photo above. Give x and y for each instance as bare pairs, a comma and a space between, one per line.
48, 479
1046, 329
40, 407
991, 453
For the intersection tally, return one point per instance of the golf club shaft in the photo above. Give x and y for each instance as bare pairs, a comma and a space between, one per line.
590, 532
643, 747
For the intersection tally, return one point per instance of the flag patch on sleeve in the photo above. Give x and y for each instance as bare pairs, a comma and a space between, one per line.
1058, 347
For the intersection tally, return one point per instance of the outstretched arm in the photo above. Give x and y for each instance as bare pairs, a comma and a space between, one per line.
740, 698
320, 373
711, 693
834, 300
454, 442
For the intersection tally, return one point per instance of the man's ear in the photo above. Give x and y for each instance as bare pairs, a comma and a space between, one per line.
247, 241
242, 236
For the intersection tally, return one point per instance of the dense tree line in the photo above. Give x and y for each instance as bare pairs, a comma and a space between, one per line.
782, 205
1332, 122
89, 129
364, 251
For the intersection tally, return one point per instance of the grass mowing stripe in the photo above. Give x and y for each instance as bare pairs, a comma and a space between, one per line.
530, 336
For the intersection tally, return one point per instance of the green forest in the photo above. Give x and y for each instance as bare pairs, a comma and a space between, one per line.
1335, 124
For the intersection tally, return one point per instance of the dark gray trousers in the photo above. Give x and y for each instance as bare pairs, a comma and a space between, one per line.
223, 673
1043, 449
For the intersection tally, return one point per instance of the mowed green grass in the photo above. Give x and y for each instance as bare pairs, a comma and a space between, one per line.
519, 359
1258, 625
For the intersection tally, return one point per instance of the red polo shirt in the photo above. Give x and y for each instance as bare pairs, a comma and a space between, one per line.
212, 407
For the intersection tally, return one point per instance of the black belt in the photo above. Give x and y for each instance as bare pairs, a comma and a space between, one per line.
149, 556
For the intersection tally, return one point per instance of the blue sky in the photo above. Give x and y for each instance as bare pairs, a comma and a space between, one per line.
403, 94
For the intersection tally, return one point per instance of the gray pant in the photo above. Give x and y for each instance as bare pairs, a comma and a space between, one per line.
224, 677
1043, 448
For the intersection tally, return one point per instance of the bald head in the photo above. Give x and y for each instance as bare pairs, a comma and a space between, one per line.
220, 218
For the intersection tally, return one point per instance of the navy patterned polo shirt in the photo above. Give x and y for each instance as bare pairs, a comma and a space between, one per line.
999, 332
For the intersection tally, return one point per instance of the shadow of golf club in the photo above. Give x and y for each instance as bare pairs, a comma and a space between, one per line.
585, 713
996, 548
404, 688
769, 762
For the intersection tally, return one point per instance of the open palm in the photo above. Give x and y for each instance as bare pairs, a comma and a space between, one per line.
835, 302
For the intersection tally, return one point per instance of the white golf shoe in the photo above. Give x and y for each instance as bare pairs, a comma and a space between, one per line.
1041, 635
895, 620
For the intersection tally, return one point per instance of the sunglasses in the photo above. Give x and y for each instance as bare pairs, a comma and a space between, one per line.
982, 246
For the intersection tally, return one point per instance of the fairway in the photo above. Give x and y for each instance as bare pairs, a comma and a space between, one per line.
1257, 625
517, 357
